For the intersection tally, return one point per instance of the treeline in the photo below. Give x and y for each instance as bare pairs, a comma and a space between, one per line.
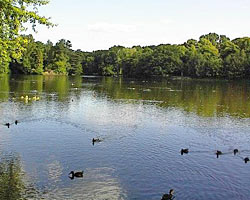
212, 55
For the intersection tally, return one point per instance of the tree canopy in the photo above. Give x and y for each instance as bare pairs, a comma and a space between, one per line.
13, 15
211, 56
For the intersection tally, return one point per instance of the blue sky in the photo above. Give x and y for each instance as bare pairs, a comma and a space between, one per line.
100, 24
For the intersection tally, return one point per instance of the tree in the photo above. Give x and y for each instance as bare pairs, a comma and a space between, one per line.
244, 45
76, 62
128, 58
13, 15
118, 51
212, 37
193, 59
88, 64
60, 61
234, 59
31, 61
212, 63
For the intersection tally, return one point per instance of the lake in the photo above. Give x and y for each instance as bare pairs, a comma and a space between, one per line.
143, 125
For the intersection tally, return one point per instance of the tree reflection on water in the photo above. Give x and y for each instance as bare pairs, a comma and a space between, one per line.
12, 179
11, 184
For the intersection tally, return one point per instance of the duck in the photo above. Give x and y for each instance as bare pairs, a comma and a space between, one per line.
184, 151
96, 140
35, 98
236, 151
168, 196
73, 174
218, 153
246, 159
7, 124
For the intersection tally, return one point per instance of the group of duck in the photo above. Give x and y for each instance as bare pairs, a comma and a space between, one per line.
79, 174
217, 153
27, 98
171, 196
168, 196
8, 124
72, 174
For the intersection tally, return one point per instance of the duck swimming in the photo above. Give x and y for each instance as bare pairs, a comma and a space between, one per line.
236, 151
7, 124
96, 140
184, 151
168, 196
246, 159
218, 153
73, 174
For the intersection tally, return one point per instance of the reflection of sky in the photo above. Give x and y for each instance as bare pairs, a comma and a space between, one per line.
104, 112
55, 171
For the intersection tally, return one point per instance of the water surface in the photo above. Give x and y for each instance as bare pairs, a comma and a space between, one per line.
143, 124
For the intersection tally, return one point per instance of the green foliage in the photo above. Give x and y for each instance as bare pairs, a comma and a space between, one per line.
31, 61
211, 56
60, 63
76, 63
13, 14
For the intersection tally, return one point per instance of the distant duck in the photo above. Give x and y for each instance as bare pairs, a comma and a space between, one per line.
35, 98
96, 140
16, 122
73, 174
7, 124
184, 151
218, 153
236, 151
168, 196
246, 159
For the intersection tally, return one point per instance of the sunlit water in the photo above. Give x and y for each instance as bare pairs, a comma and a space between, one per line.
143, 124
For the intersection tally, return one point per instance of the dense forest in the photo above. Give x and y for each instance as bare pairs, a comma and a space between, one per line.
212, 55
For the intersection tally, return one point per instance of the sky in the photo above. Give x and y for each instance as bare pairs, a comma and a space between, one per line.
100, 24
